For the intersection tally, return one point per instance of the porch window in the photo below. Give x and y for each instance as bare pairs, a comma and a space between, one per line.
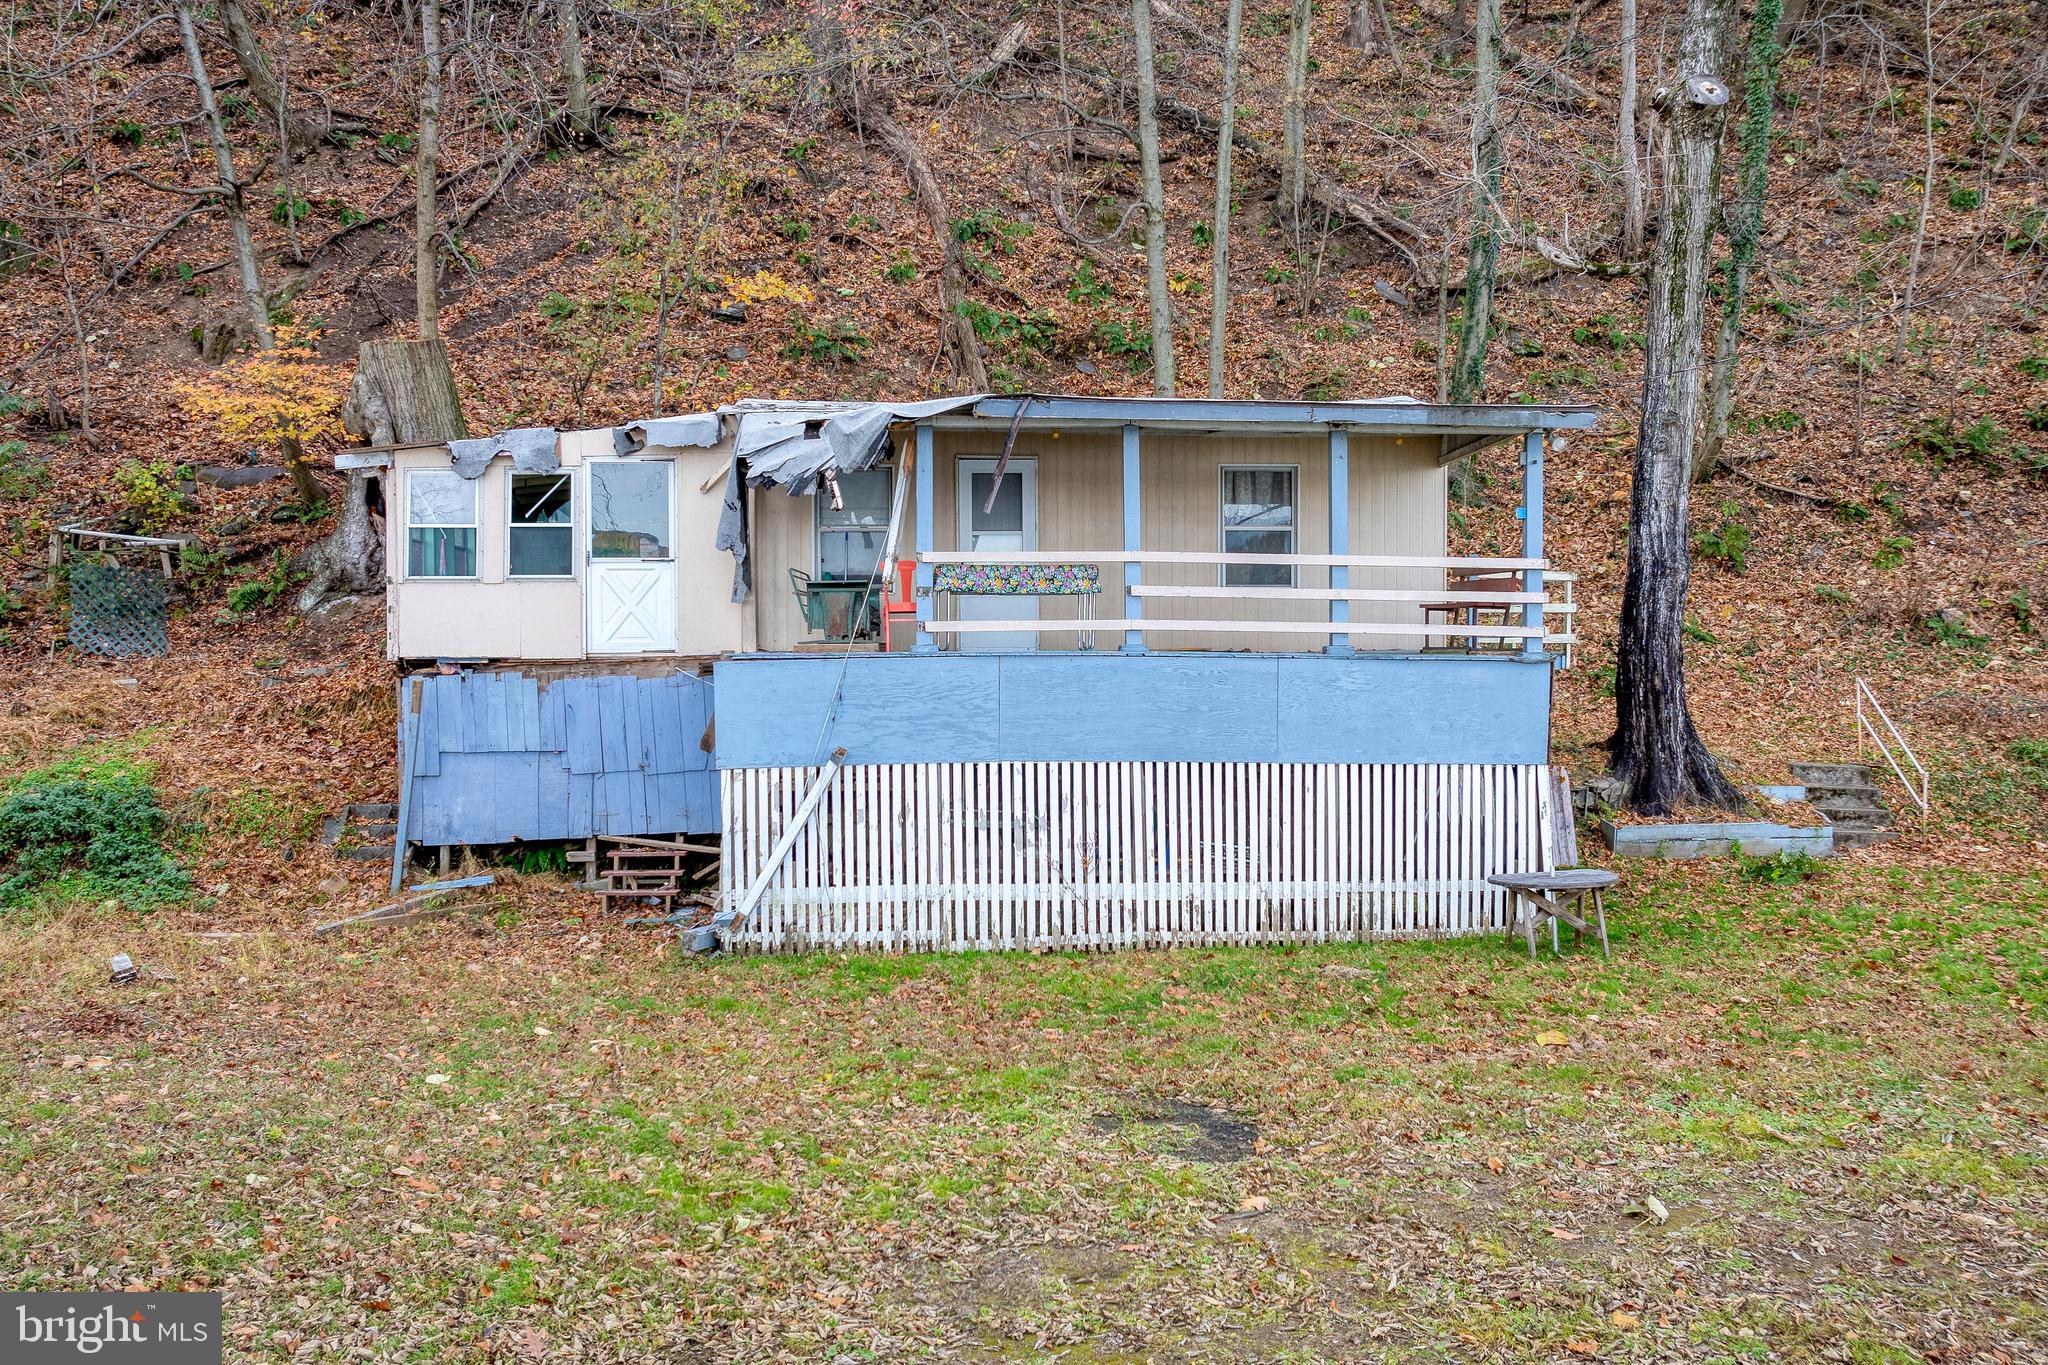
440, 525
543, 533
1260, 516
850, 536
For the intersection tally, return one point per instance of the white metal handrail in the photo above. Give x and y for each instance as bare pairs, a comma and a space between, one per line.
1865, 727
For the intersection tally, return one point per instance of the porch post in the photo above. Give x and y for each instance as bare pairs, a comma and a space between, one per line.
1532, 536
1340, 532
1134, 539
925, 513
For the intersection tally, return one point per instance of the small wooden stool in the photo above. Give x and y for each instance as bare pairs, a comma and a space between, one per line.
1557, 896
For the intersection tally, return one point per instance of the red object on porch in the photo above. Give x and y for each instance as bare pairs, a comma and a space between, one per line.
902, 602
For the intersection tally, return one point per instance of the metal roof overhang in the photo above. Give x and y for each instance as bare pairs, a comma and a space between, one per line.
1467, 427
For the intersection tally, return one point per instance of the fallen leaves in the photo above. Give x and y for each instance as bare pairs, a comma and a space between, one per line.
1551, 1037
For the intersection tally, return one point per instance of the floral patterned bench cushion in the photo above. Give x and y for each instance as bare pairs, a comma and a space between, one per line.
1018, 580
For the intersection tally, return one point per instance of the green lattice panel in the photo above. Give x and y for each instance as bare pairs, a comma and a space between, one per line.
118, 610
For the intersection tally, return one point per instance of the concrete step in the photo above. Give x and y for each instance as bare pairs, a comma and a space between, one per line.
1869, 795
1834, 774
1862, 838
1853, 812
386, 830
367, 853
373, 810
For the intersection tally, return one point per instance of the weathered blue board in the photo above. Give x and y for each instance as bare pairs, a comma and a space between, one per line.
503, 755
792, 710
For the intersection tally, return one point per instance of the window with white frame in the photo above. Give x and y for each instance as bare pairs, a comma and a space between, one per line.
440, 525
1261, 515
850, 535
541, 542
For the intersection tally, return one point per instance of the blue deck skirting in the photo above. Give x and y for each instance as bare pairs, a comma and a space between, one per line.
791, 710
503, 755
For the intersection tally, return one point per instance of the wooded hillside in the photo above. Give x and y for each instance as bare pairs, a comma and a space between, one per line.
652, 208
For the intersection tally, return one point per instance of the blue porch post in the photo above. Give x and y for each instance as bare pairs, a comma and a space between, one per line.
1134, 539
1532, 536
925, 511
1340, 532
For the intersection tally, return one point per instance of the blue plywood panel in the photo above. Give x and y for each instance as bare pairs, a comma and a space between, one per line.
1309, 708
1444, 709
1063, 706
585, 744
785, 712
575, 758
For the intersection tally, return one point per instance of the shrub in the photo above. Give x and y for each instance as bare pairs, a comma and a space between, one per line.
151, 492
1785, 868
104, 827
837, 340
1729, 542
265, 590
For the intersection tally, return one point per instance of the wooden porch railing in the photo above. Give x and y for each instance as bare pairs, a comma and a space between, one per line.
1455, 568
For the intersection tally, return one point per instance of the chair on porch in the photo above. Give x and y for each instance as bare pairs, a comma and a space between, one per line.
1563, 892
1468, 582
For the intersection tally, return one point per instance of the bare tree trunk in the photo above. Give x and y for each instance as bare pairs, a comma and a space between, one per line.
1369, 19
1745, 226
426, 257
1658, 754
575, 79
829, 45
1627, 143
1155, 201
1294, 121
1926, 170
2019, 110
1468, 374
1219, 244
264, 85
233, 205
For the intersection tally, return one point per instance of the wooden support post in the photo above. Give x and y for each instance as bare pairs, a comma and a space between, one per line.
408, 739
1532, 537
926, 510
1340, 533
1134, 537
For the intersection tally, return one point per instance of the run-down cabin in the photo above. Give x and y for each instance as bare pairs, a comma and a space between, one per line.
1106, 671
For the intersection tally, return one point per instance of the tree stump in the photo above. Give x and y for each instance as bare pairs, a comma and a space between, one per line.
403, 394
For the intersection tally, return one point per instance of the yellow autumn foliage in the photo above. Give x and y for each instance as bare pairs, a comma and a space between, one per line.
271, 397
764, 286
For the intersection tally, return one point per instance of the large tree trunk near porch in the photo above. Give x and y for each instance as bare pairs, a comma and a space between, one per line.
1658, 755
403, 392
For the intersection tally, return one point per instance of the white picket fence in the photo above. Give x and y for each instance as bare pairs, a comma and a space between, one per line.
957, 856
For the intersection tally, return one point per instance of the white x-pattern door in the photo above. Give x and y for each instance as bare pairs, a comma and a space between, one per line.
631, 583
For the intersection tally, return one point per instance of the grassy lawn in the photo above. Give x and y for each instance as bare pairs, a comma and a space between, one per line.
1786, 1123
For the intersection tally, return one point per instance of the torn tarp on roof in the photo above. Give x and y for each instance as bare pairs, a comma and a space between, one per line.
533, 451
693, 430
791, 445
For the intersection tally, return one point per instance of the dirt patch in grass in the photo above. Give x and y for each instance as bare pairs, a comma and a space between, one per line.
1200, 1132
